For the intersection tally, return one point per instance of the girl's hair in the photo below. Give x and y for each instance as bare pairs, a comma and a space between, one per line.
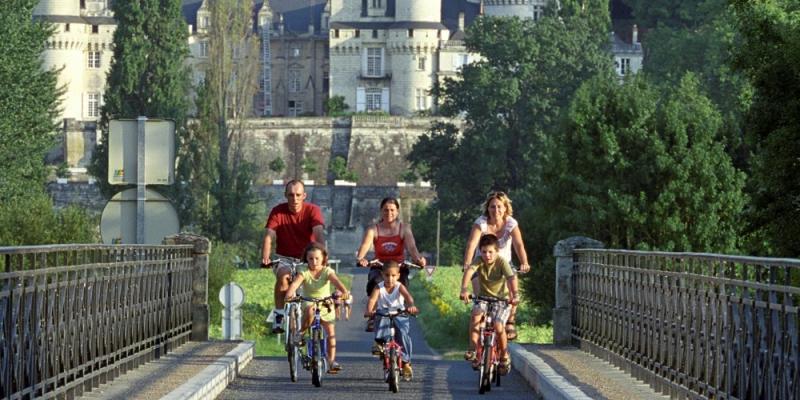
500, 196
316, 246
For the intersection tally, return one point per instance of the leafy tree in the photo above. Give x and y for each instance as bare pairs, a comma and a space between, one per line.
636, 168
335, 106
277, 165
509, 100
225, 104
309, 166
338, 167
29, 101
32, 220
768, 55
148, 76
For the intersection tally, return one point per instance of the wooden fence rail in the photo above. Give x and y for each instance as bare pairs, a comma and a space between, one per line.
692, 325
75, 316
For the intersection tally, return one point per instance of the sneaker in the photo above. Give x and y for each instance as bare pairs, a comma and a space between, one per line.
277, 326
407, 371
377, 349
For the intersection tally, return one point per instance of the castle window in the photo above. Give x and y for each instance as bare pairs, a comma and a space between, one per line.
358, 33
377, 3
459, 60
422, 99
374, 61
374, 33
295, 52
66, 27
411, 33
374, 99
204, 22
623, 66
93, 106
94, 59
95, 29
204, 48
538, 12
421, 63
295, 107
294, 81
336, 33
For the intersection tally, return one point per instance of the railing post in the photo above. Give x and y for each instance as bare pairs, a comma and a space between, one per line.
202, 247
562, 313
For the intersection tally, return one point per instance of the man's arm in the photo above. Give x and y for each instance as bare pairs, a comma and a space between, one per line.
266, 248
319, 234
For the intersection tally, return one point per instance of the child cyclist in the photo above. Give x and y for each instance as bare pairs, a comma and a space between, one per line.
495, 279
391, 295
316, 283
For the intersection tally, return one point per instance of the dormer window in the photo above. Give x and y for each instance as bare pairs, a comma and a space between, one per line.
375, 8
377, 3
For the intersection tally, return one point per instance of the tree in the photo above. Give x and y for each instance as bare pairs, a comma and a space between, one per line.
638, 168
768, 56
231, 81
29, 101
335, 106
509, 100
148, 76
277, 165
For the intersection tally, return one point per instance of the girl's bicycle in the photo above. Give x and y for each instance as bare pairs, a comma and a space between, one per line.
316, 359
392, 356
292, 319
487, 353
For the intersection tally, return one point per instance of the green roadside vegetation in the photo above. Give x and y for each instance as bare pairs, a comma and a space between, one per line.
257, 285
444, 318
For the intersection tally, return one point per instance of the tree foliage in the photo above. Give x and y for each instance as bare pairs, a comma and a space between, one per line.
509, 100
32, 220
148, 76
768, 55
638, 168
224, 104
29, 101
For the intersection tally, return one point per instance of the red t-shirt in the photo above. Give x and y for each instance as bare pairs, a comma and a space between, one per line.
294, 231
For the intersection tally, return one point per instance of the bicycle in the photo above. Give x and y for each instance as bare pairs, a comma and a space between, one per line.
292, 319
379, 264
316, 358
392, 355
487, 353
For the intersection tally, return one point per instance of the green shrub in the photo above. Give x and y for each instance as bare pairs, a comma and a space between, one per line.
32, 220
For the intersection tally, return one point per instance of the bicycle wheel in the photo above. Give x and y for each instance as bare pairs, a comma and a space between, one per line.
316, 361
292, 352
486, 366
394, 371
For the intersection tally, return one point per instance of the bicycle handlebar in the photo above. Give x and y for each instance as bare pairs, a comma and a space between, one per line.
379, 263
486, 299
290, 261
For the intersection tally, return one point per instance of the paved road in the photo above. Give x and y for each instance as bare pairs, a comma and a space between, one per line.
362, 374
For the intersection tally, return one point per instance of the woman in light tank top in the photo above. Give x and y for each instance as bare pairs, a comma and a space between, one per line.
391, 240
497, 220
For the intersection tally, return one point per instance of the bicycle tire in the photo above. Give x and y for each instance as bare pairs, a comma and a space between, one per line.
486, 365
292, 352
394, 371
316, 364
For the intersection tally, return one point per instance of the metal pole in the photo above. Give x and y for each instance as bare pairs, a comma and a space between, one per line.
438, 230
140, 180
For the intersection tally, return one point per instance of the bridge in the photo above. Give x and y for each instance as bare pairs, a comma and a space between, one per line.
80, 320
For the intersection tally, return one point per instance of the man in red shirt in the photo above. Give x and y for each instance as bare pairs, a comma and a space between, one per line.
291, 226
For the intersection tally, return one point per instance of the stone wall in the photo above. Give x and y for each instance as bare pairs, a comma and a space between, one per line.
347, 209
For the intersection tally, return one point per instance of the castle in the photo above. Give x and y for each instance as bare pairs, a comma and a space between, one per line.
380, 55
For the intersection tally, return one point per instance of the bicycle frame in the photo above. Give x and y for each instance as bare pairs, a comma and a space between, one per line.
488, 365
316, 357
392, 352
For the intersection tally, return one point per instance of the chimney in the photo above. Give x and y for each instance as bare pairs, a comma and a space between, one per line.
280, 24
461, 21
480, 11
635, 36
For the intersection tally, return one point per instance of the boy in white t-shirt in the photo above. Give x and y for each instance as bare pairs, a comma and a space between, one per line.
391, 295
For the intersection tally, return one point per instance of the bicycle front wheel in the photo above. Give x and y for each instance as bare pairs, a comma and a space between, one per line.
316, 360
394, 371
486, 366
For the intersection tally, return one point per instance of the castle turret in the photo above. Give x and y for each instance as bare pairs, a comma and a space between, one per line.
418, 10
58, 8
515, 8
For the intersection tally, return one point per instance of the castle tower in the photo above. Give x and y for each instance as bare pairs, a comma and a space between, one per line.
418, 10
81, 48
515, 8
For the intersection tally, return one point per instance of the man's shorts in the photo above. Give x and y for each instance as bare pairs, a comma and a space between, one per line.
503, 311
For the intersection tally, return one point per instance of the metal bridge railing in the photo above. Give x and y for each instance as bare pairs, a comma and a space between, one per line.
75, 316
692, 325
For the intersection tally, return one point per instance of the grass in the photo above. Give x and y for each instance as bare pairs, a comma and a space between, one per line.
444, 318
258, 291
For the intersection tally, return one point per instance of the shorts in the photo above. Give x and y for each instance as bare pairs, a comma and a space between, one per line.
326, 314
503, 311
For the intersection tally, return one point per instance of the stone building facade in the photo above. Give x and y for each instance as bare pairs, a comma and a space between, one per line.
82, 47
